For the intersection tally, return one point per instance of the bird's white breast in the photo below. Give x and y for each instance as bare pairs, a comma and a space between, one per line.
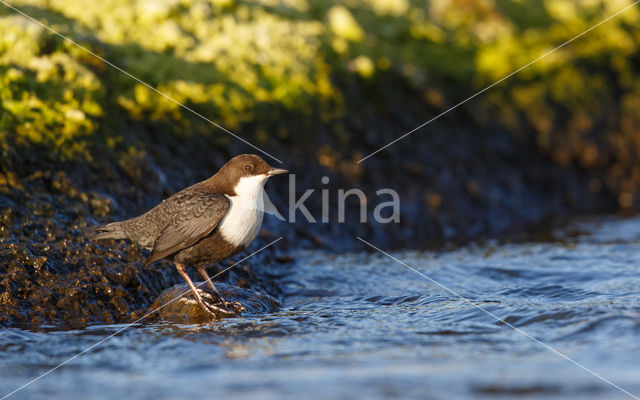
244, 217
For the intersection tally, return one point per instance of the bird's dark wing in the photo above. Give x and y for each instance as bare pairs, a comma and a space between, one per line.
197, 213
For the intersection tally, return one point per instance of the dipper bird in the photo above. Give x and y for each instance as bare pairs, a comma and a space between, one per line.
205, 223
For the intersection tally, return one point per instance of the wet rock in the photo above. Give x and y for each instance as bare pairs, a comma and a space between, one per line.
177, 304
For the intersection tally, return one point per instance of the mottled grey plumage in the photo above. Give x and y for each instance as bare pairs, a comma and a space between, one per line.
175, 224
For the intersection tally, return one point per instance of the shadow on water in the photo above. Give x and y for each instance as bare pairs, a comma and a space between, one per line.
362, 325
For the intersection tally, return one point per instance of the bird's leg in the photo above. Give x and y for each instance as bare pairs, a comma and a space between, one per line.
208, 308
204, 274
236, 306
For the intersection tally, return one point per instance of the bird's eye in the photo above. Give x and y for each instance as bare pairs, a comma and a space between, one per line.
248, 167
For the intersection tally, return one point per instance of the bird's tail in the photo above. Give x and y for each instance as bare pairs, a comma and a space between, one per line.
110, 231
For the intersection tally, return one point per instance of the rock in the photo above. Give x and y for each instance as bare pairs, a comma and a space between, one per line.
177, 303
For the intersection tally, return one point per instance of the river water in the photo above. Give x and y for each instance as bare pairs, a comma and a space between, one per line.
361, 325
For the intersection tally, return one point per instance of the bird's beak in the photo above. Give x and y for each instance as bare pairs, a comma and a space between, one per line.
276, 171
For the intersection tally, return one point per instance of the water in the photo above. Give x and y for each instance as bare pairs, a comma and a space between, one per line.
364, 326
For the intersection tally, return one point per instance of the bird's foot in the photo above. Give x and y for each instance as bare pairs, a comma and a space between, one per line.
234, 306
219, 306
220, 312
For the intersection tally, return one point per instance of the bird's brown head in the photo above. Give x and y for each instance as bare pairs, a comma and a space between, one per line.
243, 166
